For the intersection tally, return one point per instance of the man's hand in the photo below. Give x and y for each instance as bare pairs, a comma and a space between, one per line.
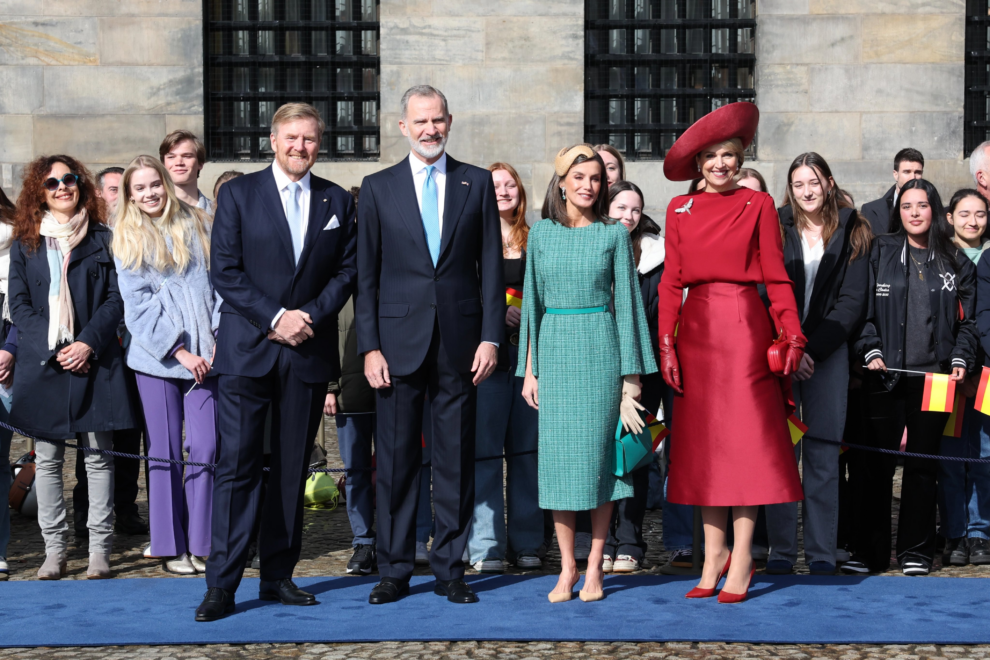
277, 338
6, 369
330, 404
376, 370
485, 359
807, 368
513, 317
75, 357
293, 327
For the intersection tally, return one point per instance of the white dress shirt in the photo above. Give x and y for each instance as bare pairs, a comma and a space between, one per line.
812, 259
439, 176
282, 182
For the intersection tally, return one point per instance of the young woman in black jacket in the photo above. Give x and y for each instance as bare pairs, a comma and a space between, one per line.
921, 319
826, 250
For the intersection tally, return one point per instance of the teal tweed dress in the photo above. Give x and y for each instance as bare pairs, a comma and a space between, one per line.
579, 359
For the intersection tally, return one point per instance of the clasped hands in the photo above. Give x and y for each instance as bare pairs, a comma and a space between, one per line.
292, 328
75, 357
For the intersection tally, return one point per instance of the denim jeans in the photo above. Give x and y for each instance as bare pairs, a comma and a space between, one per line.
354, 438
821, 403
5, 478
964, 488
505, 424
678, 519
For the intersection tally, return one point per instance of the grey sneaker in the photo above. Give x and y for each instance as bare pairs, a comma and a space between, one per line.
422, 554
490, 566
529, 561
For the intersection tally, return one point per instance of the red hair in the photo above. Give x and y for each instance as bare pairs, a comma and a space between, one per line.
33, 202
519, 233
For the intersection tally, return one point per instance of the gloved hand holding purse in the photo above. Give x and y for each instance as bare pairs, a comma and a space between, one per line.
795, 350
629, 406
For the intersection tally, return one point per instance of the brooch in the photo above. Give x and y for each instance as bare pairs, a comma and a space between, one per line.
686, 208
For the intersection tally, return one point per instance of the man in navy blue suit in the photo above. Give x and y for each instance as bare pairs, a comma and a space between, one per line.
430, 313
283, 260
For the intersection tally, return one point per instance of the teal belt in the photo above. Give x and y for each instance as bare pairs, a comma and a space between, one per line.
577, 310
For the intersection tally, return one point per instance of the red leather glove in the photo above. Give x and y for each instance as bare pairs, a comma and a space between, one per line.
670, 368
795, 350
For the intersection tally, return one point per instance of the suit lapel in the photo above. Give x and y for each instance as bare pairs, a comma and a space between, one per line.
272, 202
319, 206
405, 200
454, 198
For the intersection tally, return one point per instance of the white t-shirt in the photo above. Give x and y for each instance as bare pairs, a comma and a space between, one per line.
812, 258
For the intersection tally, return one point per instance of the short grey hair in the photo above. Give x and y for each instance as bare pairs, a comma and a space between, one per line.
423, 90
978, 160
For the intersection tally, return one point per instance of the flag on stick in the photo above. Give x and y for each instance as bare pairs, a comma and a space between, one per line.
796, 427
657, 430
513, 297
982, 402
940, 393
953, 427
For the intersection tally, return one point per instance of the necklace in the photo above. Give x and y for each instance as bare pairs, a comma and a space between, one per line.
920, 275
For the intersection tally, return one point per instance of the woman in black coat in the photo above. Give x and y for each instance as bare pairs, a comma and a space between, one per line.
70, 370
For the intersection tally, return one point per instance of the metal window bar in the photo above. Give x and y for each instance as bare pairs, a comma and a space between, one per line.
261, 54
976, 111
654, 67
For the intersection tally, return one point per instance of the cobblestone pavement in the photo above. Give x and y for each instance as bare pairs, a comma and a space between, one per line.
326, 549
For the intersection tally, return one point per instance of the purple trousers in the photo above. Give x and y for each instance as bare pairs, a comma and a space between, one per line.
180, 510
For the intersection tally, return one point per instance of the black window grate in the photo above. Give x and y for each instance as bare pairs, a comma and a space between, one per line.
261, 54
976, 113
654, 67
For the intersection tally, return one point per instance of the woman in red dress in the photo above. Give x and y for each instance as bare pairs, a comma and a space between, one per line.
721, 242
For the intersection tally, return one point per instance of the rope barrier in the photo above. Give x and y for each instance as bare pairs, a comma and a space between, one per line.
896, 452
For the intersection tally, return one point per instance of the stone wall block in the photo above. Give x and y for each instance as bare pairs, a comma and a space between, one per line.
937, 135
51, 41
394, 145
395, 80
558, 8
400, 8
512, 88
151, 42
782, 136
483, 139
432, 41
88, 138
914, 38
783, 88
888, 88
884, 6
772, 7
148, 8
123, 90
535, 41
21, 8
808, 40
563, 130
23, 89
193, 123
16, 139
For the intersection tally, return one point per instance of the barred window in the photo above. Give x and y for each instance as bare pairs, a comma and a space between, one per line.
654, 67
976, 113
261, 54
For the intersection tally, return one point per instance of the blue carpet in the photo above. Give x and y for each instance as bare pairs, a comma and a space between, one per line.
788, 609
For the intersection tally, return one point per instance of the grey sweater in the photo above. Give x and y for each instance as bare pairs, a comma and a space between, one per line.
165, 310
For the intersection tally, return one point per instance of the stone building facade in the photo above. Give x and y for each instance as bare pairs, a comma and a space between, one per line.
104, 80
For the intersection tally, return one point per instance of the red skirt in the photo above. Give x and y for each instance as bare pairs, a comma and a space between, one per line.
731, 443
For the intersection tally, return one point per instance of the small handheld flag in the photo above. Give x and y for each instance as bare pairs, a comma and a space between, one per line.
513, 297
982, 402
657, 430
796, 427
953, 427
940, 393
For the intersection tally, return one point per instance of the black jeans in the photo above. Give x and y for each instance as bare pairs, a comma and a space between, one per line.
872, 475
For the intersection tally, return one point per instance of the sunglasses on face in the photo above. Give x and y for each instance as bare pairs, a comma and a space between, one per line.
69, 179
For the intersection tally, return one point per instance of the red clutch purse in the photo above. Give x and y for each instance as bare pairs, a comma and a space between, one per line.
777, 355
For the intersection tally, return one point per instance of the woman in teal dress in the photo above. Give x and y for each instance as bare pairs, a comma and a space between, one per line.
584, 362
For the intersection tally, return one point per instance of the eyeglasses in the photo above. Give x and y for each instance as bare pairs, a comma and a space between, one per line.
69, 179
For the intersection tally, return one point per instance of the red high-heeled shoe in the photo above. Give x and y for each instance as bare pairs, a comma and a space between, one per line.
726, 597
698, 592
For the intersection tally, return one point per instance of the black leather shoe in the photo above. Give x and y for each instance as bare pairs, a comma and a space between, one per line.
956, 552
979, 551
131, 524
388, 590
456, 591
285, 591
217, 603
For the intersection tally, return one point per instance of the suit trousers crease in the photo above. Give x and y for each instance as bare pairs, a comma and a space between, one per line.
399, 459
243, 405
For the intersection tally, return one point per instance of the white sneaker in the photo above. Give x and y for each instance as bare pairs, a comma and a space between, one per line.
179, 565
422, 554
607, 564
582, 546
199, 563
490, 566
529, 561
842, 555
4, 569
625, 564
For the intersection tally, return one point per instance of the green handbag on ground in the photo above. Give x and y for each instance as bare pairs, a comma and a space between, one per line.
321, 491
632, 451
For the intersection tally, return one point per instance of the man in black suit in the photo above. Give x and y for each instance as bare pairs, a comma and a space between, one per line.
430, 312
283, 260
908, 164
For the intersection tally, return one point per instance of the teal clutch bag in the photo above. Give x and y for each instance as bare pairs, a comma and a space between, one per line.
632, 451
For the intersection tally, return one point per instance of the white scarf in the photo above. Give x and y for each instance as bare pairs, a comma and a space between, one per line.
61, 240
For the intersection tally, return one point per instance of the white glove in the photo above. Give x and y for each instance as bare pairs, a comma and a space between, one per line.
629, 406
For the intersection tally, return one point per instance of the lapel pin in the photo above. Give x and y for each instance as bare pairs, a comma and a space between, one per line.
324, 200
465, 183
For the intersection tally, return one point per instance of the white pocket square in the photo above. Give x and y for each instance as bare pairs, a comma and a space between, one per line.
333, 224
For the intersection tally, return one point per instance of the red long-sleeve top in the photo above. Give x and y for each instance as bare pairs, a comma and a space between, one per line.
725, 237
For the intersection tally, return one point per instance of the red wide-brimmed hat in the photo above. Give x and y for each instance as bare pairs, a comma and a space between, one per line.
736, 120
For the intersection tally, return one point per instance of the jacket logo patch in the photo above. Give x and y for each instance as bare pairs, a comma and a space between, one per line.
948, 281
883, 290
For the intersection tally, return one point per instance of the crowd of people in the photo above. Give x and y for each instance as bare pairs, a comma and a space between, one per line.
135, 306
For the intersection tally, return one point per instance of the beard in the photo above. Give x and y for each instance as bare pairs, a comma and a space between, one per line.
428, 151
290, 166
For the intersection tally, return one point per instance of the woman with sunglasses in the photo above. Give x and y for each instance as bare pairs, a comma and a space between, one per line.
70, 370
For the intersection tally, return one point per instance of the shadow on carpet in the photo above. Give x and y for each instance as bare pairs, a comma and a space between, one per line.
787, 609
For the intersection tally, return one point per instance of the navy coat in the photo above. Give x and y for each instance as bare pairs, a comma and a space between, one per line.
49, 401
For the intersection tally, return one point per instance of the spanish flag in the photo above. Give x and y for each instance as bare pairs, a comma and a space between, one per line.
657, 430
796, 427
953, 427
940, 393
513, 297
982, 400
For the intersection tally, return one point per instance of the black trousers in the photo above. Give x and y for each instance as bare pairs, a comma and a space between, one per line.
399, 454
871, 475
855, 433
297, 410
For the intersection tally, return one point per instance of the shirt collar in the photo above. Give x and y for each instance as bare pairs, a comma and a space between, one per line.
282, 180
418, 165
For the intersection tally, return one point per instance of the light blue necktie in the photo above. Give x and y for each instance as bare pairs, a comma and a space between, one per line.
431, 215
293, 213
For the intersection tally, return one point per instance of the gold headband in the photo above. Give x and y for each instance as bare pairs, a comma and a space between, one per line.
566, 157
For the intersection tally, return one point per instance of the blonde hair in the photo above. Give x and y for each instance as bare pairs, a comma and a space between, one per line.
293, 111
139, 239
735, 144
